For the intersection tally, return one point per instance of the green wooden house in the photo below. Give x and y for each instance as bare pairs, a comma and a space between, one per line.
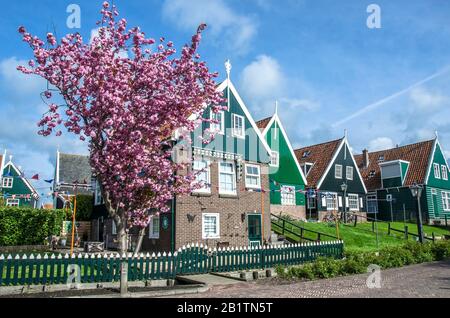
388, 175
15, 188
334, 181
287, 180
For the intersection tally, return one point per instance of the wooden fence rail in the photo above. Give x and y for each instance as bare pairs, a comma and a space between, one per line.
192, 259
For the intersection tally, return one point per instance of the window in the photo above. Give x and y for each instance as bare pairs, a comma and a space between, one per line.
12, 202
381, 158
338, 171
353, 202
311, 202
98, 194
437, 171
153, 228
444, 172
7, 182
274, 159
211, 226
238, 126
252, 177
372, 203
227, 178
202, 175
349, 173
220, 126
331, 201
287, 195
306, 154
446, 200
114, 228
372, 173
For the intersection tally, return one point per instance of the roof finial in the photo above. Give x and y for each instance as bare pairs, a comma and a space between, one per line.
345, 133
228, 68
276, 107
436, 134
10, 157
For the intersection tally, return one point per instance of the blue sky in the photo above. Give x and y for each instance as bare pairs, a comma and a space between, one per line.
317, 58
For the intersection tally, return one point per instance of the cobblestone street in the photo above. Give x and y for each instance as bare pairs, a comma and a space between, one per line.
424, 280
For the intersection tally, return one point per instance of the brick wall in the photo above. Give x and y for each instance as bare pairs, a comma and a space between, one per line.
297, 211
233, 212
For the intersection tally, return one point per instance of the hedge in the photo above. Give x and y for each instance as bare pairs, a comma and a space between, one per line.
85, 207
358, 262
26, 226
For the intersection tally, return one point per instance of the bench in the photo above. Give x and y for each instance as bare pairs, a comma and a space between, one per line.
94, 247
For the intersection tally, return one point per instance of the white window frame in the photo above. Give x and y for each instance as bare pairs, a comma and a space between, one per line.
288, 195
372, 198
233, 174
355, 198
275, 155
114, 228
349, 172
12, 202
207, 187
220, 127
215, 235
6, 184
437, 170
151, 234
311, 202
332, 201
258, 176
444, 172
336, 175
234, 131
445, 200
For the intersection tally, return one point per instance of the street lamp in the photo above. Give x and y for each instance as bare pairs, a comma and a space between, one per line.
416, 192
344, 188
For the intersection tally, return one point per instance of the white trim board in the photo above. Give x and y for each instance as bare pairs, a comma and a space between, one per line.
277, 120
344, 141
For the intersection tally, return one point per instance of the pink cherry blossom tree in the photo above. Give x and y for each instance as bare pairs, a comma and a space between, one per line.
126, 96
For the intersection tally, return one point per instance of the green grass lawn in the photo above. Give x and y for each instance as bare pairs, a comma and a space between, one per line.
361, 237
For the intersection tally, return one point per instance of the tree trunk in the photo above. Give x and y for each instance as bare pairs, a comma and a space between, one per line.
123, 250
139, 241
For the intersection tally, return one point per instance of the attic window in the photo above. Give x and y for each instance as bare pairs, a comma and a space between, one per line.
372, 174
307, 168
306, 154
381, 158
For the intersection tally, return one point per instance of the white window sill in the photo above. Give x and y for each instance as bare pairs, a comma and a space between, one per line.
211, 238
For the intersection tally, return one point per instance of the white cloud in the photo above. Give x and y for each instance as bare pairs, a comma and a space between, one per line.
447, 154
300, 104
262, 78
426, 100
224, 23
381, 143
11, 76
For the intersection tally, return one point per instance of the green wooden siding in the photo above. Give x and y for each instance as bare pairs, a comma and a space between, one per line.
251, 148
19, 187
434, 203
404, 206
438, 157
287, 174
392, 182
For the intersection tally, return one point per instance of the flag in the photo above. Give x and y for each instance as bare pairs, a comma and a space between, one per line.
35, 177
49, 181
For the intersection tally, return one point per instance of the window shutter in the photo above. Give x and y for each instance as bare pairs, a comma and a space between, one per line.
346, 202
324, 201
340, 201
361, 202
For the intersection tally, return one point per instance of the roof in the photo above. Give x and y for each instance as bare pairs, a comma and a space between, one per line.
320, 156
417, 155
25, 180
73, 169
262, 124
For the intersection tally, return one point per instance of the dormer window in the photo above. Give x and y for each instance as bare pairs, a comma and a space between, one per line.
307, 168
381, 158
372, 174
306, 154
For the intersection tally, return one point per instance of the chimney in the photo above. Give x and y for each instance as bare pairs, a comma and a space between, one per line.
365, 158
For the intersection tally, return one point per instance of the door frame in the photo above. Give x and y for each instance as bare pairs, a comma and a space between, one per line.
253, 242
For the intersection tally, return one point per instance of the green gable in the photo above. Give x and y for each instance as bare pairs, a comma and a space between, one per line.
20, 190
251, 148
438, 158
288, 172
345, 159
404, 169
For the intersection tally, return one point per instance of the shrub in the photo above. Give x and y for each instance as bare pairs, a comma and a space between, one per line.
357, 262
85, 207
25, 226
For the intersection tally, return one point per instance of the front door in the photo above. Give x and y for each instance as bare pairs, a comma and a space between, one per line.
254, 229
435, 203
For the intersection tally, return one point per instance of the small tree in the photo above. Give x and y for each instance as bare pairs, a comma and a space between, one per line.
126, 98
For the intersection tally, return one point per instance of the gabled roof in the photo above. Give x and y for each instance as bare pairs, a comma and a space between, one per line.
20, 174
71, 169
2, 162
418, 155
262, 124
320, 156
265, 124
